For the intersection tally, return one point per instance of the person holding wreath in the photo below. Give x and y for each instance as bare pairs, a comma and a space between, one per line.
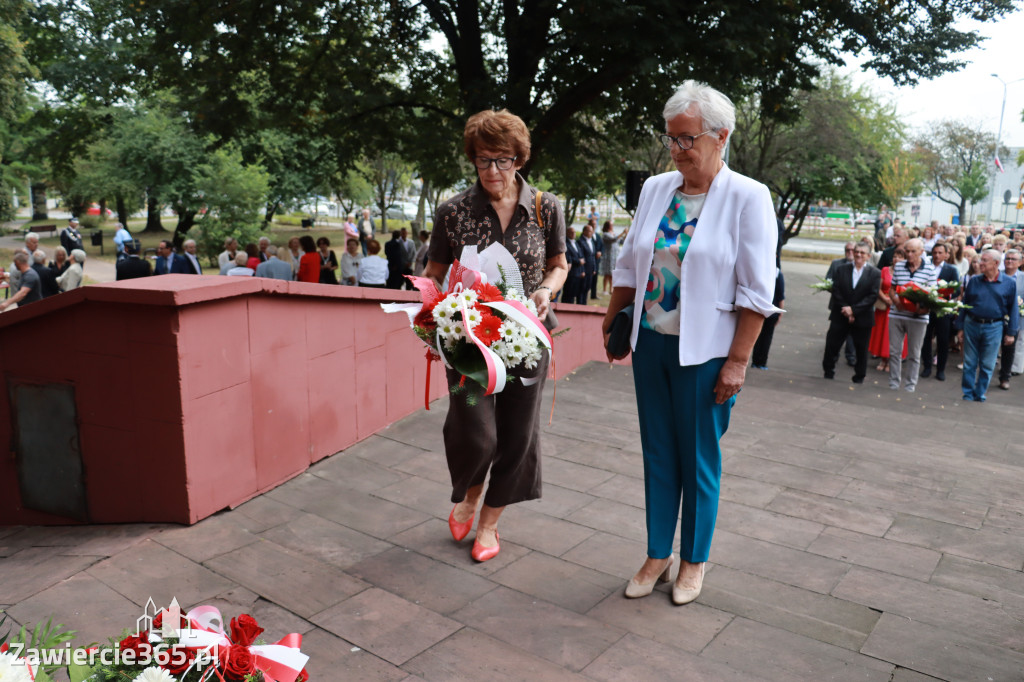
499, 433
698, 265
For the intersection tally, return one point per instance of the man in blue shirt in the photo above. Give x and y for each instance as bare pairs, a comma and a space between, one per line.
121, 236
993, 320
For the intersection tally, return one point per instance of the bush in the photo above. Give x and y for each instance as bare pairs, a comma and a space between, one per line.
89, 222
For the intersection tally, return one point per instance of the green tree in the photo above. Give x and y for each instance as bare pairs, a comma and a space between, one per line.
388, 175
14, 66
232, 194
900, 177
956, 156
830, 143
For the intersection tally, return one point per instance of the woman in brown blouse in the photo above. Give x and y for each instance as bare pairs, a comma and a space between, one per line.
500, 432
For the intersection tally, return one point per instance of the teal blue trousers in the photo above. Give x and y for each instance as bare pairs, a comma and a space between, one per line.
680, 429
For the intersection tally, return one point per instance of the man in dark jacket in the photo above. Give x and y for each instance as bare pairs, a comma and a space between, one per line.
396, 254
854, 290
939, 328
131, 266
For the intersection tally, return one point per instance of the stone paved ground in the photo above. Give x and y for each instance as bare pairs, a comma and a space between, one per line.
862, 535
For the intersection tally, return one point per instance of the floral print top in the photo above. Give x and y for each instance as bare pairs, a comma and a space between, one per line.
468, 218
661, 301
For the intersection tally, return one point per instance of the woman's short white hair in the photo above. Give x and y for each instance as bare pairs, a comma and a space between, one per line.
715, 109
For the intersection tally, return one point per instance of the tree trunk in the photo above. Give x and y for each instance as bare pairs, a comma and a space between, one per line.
153, 223
103, 210
186, 219
122, 209
272, 208
78, 205
39, 201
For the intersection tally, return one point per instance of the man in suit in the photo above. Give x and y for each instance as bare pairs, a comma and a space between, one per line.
848, 352
1011, 268
263, 245
187, 263
854, 290
70, 237
586, 244
274, 267
595, 238
577, 274
975, 236
164, 258
131, 266
938, 327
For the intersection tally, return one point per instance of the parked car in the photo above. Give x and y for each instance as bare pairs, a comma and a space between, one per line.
94, 209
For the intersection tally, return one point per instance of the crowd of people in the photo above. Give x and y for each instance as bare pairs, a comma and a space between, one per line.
32, 277
979, 267
591, 259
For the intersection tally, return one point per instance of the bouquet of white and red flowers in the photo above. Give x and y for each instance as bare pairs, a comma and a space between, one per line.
919, 299
482, 326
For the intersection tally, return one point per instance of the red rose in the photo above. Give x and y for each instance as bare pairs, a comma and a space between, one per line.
245, 630
140, 645
237, 662
180, 658
158, 621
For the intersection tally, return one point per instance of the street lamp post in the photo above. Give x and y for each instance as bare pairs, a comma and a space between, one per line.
999, 138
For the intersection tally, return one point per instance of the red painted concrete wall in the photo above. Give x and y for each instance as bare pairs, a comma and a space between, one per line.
197, 393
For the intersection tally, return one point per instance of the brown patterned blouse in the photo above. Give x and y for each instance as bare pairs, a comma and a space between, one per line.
468, 218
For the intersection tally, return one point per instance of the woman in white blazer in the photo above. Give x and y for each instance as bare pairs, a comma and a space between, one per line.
699, 267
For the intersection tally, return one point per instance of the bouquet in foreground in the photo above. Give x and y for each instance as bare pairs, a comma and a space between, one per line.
919, 299
168, 647
483, 325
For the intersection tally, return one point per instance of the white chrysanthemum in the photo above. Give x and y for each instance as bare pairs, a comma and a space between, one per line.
508, 331
451, 302
441, 314
155, 674
531, 306
458, 330
13, 669
468, 296
446, 329
530, 362
473, 317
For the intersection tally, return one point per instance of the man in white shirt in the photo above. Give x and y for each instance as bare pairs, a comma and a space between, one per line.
240, 270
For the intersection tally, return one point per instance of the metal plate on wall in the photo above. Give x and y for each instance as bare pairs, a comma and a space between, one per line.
49, 458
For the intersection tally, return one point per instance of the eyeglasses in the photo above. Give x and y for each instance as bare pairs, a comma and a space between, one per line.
501, 163
684, 142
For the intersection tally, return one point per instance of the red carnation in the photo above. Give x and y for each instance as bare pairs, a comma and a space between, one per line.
425, 318
488, 293
245, 630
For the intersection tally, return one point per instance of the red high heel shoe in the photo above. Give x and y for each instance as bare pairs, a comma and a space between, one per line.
459, 530
481, 553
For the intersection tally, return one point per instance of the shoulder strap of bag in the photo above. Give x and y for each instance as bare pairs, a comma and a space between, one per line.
540, 221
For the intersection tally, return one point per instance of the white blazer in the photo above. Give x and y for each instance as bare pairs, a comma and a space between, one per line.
729, 264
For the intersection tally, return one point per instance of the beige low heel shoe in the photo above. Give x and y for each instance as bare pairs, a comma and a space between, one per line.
682, 596
635, 590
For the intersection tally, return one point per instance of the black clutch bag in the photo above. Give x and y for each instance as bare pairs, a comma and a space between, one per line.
620, 331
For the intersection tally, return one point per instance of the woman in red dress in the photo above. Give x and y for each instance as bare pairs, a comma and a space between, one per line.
878, 346
309, 264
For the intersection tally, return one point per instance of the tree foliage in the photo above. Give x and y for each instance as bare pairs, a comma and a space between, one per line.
957, 161
830, 144
14, 67
901, 176
305, 89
